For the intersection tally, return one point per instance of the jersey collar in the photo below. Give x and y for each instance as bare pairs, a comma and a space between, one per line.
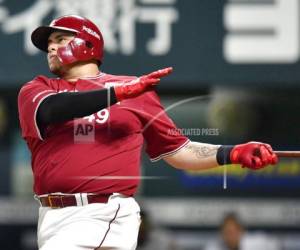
99, 75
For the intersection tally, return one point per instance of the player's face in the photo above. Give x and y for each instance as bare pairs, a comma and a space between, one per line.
56, 40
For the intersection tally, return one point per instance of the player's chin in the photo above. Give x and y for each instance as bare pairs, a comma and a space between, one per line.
55, 69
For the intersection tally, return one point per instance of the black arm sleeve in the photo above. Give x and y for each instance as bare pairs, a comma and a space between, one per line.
69, 105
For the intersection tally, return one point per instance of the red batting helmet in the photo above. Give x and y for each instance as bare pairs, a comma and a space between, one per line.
87, 44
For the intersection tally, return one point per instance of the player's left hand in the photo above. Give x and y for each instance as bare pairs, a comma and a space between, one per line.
140, 85
253, 155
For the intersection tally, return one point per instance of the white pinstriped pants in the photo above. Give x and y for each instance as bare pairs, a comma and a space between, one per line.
114, 224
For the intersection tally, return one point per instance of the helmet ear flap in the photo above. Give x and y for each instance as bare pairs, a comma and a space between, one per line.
78, 49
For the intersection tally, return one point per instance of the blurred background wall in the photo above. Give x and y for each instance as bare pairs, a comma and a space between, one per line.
236, 78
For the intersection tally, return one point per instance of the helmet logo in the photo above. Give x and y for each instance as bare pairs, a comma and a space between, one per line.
91, 32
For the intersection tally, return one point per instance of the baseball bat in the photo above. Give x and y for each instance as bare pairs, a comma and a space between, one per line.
287, 153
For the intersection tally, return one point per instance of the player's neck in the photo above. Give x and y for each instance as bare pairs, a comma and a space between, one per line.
80, 70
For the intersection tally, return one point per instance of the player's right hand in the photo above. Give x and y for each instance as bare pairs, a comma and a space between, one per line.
253, 155
140, 85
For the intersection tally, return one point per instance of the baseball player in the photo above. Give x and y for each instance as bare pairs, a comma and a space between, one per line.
85, 130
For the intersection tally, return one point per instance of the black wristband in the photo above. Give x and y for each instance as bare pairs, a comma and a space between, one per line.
223, 154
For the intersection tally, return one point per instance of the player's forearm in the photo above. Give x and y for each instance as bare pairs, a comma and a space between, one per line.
195, 156
67, 106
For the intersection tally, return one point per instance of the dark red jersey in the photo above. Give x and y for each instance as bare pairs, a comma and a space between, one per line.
99, 153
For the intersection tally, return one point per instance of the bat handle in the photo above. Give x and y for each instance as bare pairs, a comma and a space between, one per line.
287, 153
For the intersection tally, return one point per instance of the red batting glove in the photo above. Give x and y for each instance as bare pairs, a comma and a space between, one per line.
140, 85
253, 155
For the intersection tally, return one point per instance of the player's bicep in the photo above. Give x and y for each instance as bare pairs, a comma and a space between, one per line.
162, 136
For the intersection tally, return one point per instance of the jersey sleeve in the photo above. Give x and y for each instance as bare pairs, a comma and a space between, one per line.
30, 97
162, 136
